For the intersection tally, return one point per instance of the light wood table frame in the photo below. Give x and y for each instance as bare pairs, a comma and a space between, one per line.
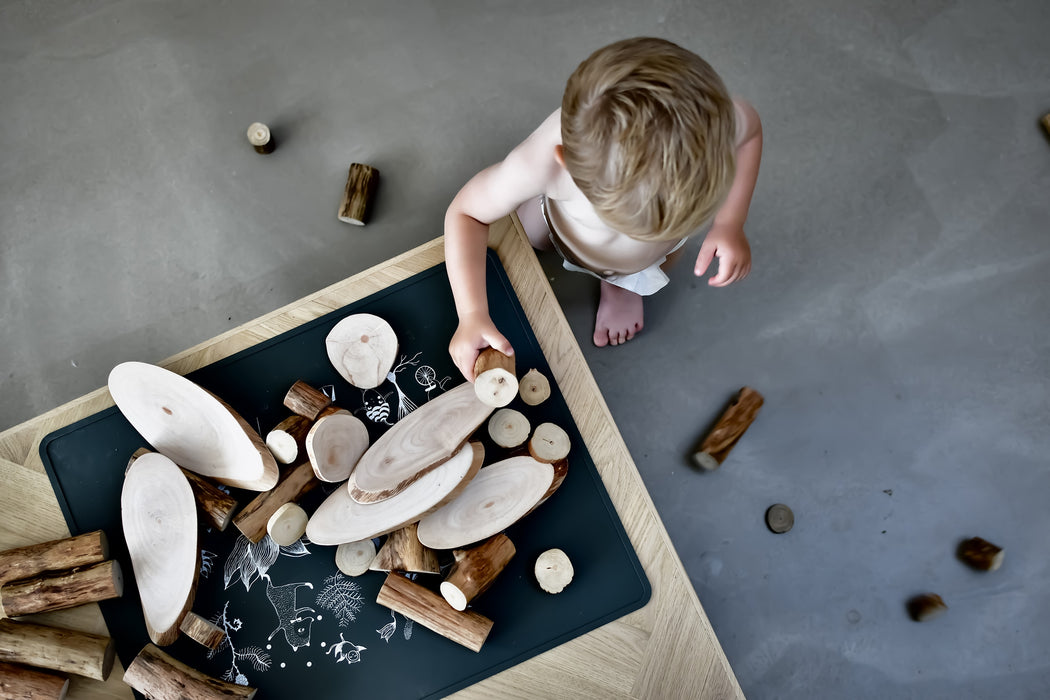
666, 650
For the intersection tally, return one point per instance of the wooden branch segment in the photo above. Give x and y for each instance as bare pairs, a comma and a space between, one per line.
192, 427
417, 444
260, 138
362, 348
422, 605
56, 555
65, 651
205, 633
500, 495
214, 504
287, 524
403, 551
288, 439
335, 443
494, 380
159, 515
62, 590
1046, 122
361, 183
728, 430
342, 519
549, 443
354, 558
553, 570
160, 677
981, 554
24, 683
534, 388
509, 428
306, 401
295, 483
475, 570
925, 607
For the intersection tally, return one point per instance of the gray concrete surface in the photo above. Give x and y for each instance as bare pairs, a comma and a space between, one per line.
896, 319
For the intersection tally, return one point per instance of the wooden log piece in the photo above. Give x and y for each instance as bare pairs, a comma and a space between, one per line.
205, 633
56, 555
362, 348
534, 388
925, 607
354, 558
288, 439
728, 430
334, 444
980, 554
65, 651
24, 683
500, 495
214, 504
553, 570
361, 183
287, 524
62, 590
159, 515
260, 138
417, 444
475, 570
509, 428
306, 401
1046, 122
422, 605
494, 381
549, 443
296, 482
160, 677
403, 551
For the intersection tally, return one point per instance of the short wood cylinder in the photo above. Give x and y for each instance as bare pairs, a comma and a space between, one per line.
422, 605
287, 441
354, 558
65, 651
260, 138
361, 183
295, 482
56, 555
494, 380
67, 589
980, 554
214, 504
534, 388
202, 631
304, 400
728, 430
549, 443
24, 683
161, 677
475, 570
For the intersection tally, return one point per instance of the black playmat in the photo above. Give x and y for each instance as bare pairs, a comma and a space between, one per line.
337, 642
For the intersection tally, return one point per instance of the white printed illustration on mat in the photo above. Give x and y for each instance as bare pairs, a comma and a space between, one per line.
376, 406
405, 405
207, 562
256, 657
342, 597
345, 650
387, 630
426, 377
290, 617
251, 560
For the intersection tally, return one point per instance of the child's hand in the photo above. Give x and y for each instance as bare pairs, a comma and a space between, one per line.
475, 333
729, 244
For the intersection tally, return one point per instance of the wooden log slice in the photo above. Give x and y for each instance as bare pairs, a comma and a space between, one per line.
494, 380
287, 524
288, 439
65, 651
509, 428
335, 443
24, 683
192, 427
549, 443
500, 495
362, 348
354, 558
61, 590
417, 444
295, 482
342, 519
159, 515
534, 388
160, 677
553, 570
56, 555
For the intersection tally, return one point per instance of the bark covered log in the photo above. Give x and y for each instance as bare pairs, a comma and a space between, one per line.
56, 555
24, 683
62, 590
160, 677
980, 554
494, 380
288, 439
403, 551
422, 605
361, 183
728, 430
475, 570
306, 401
205, 633
295, 482
65, 651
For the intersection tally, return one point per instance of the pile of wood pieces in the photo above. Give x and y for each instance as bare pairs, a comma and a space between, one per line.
421, 485
977, 553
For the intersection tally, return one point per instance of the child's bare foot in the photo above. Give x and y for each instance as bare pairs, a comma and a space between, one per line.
619, 316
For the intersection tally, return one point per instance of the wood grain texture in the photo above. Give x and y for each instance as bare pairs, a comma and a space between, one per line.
633, 657
56, 555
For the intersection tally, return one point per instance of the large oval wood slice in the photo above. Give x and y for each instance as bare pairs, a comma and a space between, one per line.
362, 348
341, 519
499, 496
192, 427
159, 515
417, 443
335, 443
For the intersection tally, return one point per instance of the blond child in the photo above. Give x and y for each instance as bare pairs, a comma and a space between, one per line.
646, 148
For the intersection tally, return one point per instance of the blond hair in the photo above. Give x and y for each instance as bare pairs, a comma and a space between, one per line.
648, 132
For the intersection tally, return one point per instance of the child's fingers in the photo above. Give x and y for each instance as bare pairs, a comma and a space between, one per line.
703, 260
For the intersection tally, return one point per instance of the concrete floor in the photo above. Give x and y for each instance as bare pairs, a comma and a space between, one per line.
897, 319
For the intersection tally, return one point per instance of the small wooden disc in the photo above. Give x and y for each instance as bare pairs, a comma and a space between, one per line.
549, 443
509, 428
553, 570
779, 518
354, 558
534, 388
287, 524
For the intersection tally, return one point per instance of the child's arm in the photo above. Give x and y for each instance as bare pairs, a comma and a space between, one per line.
489, 195
726, 239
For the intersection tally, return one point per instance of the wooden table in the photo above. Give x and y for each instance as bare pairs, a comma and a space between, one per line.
665, 650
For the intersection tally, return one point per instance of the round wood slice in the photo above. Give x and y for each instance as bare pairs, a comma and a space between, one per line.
192, 427
342, 519
499, 496
287, 524
509, 428
534, 388
362, 348
335, 443
417, 443
159, 514
354, 558
549, 443
553, 570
